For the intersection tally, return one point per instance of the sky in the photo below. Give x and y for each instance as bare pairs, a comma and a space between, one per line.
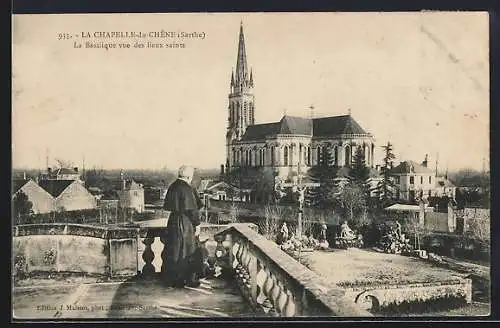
418, 80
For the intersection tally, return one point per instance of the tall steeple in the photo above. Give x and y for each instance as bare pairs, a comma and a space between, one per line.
241, 99
241, 62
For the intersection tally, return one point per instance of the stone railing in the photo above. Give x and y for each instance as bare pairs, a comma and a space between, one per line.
276, 284
151, 244
76, 248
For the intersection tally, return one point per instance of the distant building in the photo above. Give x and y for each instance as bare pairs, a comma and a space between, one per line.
69, 195
413, 180
444, 187
131, 195
220, 190
62, 174
42, 201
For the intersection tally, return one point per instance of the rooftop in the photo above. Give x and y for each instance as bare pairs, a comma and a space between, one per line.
411, 167
18, 184
55, 187
317, 127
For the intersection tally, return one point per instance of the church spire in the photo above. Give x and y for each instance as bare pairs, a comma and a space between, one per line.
241, 63
232, 78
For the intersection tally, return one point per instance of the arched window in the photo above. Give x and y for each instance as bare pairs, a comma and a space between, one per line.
335, 156
250, 158
234, 157
347, 156
318, 155
273, 156
300, 154
285, 156
325, 155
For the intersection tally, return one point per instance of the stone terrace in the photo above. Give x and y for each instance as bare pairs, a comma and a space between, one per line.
130, 299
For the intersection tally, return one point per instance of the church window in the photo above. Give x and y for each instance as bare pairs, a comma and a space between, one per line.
347, 156
309, 156
285, 156
234, 157
251, 114
421, 180
250, 155
335, 156
273, 156
318, 156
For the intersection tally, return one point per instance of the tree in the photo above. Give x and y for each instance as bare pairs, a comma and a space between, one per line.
327, 193
353, 201
22, 205
359, 172
386, 186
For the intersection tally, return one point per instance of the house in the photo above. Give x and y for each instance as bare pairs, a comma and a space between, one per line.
444, 187
131, 195
413, 180
69, 195
41, 200
62, 173
220, 190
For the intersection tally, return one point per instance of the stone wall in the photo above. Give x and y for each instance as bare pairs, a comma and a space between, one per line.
384, 296
75, 248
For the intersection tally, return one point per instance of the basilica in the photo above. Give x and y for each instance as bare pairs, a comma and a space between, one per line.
291, 145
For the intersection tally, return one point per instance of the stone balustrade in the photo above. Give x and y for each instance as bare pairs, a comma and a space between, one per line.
278, 285
151, 247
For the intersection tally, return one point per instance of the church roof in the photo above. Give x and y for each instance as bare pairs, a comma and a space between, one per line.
260, 131
317, 127
336, 125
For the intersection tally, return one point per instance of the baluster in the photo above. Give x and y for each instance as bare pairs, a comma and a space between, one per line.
261, 280
268, 286
148, 256
275, 292
246, 264
235, 249
289, 309
282, 299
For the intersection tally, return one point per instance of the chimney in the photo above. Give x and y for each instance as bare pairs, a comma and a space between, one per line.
424, 163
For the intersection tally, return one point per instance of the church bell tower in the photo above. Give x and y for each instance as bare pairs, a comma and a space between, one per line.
241, 106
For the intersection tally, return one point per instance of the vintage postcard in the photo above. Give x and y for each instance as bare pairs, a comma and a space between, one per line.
210, 165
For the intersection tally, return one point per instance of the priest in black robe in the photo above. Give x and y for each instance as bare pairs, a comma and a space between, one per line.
182, 232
